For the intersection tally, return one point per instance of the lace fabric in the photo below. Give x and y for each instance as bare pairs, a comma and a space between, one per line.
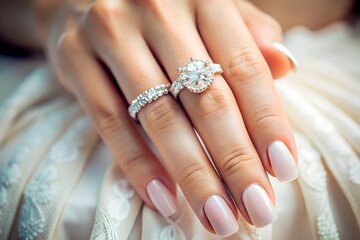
37, 87
313, 183
46, 142
17, 169
118, 207
47, 191
343, 162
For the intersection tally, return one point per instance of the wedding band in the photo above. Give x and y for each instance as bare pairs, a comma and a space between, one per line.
147, 97
196, 76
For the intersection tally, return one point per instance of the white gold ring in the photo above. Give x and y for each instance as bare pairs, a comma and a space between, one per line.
147, 97
196, 76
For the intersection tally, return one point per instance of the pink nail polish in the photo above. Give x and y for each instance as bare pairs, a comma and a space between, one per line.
164, 201
282, 162
220, 216
259, 206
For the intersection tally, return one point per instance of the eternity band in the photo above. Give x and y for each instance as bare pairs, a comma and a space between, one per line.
147, 97
196, 76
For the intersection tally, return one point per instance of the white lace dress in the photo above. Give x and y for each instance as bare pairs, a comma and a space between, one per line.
58, 180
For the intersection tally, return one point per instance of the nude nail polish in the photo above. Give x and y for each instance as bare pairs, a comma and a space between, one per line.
282, 162
259, 206
220, 216
284, 50
164, 201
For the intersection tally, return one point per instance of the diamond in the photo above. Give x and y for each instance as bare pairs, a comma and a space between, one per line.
147, 97
152, 93
197, 75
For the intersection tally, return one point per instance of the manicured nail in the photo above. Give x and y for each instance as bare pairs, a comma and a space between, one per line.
259, 206
282, 162
284, 50
220, 216
164, 201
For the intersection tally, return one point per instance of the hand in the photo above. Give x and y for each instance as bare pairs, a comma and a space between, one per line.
108, 52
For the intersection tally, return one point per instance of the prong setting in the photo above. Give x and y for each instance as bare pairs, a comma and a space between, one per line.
196, 76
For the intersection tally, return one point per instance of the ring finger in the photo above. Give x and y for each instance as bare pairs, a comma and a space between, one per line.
215, 115
99, 98
170, 130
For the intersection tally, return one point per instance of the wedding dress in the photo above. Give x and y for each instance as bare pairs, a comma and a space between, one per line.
58, 180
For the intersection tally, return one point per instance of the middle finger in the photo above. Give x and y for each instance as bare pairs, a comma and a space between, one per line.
169, 128
214, 113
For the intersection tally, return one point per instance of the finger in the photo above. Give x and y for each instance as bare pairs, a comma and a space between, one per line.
248, 75
213, 112
167, 126
94, 90
268, 35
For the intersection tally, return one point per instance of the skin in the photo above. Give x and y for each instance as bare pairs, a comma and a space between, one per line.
96, 48
109, 31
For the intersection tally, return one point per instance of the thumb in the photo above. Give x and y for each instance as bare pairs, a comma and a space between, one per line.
268, 35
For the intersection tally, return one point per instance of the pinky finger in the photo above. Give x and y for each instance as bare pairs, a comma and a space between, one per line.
96, 93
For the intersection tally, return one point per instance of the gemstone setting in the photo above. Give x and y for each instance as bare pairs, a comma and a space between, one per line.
196, 76
147, 97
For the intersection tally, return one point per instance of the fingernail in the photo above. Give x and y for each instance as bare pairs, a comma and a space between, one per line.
284, 50
164, 201
220, 216
282, 162
259, 206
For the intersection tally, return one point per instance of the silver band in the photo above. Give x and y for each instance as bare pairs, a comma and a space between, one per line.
147, 97
196, 76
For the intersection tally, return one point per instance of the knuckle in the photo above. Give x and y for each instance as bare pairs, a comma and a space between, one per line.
160, 11
102, 16
161, 116
265, 117
132, 160
156, 7
245, 65
193, 173
214, 102
236, 159
103, 10
110, 121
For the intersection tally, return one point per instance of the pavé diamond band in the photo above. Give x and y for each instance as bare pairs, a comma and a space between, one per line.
147, 97
196, 76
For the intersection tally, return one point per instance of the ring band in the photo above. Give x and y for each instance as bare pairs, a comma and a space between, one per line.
147, 97
196, 76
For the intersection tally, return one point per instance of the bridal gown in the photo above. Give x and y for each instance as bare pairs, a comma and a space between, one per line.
58, 180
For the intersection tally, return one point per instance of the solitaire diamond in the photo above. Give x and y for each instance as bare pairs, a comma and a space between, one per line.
196, 76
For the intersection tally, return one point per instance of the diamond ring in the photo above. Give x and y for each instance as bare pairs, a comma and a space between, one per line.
147, 97
196, 76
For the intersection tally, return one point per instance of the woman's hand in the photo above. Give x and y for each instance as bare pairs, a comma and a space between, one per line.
109, 51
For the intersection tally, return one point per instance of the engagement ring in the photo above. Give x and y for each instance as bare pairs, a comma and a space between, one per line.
196, 76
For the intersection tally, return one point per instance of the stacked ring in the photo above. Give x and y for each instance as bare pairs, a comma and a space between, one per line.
147, 97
